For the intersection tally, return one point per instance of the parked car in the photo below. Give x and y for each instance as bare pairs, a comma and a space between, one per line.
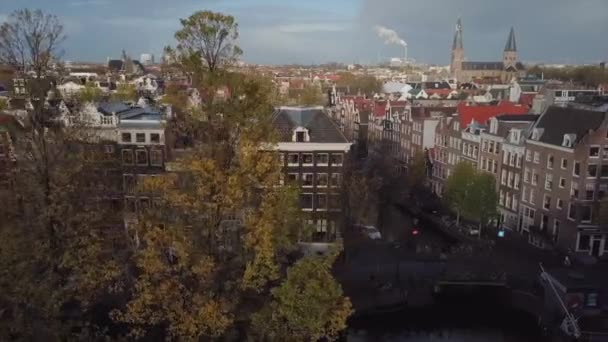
472, 230
369, 231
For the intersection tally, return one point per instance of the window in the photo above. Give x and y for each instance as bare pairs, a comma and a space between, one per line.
574, 190
517, 181
306, 202
532, 194
534, 177
510, 179
591, 300
321, 226
576, 170
300, 136
550, 161
564, 163
562, 182
292, 177
155, 138
503, 177
528, 156
108, 149
140, 137
307, 179
572, 212
127, 157
491, 147
322, 180
141, 157
518, 161
156, 157
321, 202
549, 182
547, 202
294, 159
592, 171
605, 152
307, 159
604, 171
559, 204
126, 137
584, 242
589, 192
335, 180
501, 198
322, 159
337, 159
128, 183
585, 212
536, 157
594, 151
282, 159
527, 175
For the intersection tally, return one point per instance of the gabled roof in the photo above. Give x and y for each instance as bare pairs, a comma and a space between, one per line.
379, 109
320, 127
482, 113
108, 108
557, 121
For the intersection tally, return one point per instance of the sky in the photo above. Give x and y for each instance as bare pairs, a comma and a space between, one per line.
319, 31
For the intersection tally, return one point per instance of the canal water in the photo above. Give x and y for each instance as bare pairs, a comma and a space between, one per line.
444, 324
458, 319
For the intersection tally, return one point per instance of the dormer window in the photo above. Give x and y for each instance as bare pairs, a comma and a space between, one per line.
535, 134
568, 140
300, 134
493, 126
515, 135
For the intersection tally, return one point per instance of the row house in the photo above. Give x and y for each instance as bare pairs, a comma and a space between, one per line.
389, 128
313, 149
565, 180
460, 138
502, 153
352, 114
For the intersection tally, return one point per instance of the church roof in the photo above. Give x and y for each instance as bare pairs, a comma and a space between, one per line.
511, 44
457, 44
490, 66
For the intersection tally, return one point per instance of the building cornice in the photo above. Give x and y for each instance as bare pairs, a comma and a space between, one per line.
542, 144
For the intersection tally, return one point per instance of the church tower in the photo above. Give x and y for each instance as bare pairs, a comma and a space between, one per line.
509, 57
457, 51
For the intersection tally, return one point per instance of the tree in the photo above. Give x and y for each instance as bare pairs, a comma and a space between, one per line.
365, 84
308, 305
311, 95
30, 41
90, 93
125, 92
416, 175
458, 187
210, 37
482, 199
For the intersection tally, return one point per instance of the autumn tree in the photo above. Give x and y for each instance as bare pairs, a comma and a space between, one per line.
364, 84
458, 187
311, 95
31, 41
50, 205
125, 92
90, 93
207, 254
308, 305
209, 37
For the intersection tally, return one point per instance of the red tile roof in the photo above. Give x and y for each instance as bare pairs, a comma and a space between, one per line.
526, 99
482, 113
379, 109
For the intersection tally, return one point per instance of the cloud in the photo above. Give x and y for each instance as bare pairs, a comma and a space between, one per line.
312, 27
550, 30
80, 3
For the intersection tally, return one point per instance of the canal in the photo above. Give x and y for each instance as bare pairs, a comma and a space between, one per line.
469, 315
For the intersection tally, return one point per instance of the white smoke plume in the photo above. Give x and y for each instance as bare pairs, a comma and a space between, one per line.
389, 36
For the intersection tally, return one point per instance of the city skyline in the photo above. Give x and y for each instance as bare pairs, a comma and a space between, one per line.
342, 31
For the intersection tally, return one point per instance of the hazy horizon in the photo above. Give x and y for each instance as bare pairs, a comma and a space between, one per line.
316, 32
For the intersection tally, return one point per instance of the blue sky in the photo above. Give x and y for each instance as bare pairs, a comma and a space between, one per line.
315, 31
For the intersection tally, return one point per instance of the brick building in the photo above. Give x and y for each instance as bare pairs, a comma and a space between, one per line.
313, 150
565, 181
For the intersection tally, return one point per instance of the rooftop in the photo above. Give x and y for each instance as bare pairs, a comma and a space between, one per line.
558, 121
321, 128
